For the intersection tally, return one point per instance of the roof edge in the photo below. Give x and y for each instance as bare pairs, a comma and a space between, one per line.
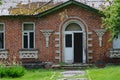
66, 4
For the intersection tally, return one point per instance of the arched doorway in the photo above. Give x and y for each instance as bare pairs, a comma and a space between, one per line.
73, 43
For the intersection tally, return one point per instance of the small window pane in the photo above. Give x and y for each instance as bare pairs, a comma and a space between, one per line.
1, 40
68, 40
25, 41
31, 40
28, 27
73, 27
1, 27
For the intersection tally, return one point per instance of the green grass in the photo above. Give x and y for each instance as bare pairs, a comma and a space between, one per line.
107, 73
38, 74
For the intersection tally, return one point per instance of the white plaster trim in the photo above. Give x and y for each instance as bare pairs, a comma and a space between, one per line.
89, 33
90, 39
90, 51
57, 33
57, 45
57, 57
47, 34
57, 39
28, 54
115, 53
57, 51
90, 45
3, 54
100, 33
90, 57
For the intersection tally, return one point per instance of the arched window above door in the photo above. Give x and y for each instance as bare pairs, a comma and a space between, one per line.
73, 27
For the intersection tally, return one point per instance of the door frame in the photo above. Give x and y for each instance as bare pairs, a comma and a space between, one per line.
84, 27
72, 32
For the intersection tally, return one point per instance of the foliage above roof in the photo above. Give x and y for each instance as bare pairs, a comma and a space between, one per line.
31, 8
39, 9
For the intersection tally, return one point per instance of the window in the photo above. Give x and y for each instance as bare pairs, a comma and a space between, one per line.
73, 27
1, 36
116, 43
28, 35
68, 40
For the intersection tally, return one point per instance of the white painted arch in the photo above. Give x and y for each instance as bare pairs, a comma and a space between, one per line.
83, 26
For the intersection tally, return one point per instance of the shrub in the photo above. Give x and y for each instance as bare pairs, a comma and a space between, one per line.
3, 71
12, 71
16, 71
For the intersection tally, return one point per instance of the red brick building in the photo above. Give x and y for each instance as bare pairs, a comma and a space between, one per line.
70, 32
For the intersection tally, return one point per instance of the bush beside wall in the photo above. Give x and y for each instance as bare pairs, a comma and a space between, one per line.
12, 71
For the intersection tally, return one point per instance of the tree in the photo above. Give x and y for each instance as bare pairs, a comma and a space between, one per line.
111, 20
0, 2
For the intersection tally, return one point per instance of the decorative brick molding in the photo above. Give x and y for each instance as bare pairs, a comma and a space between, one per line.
57, 57
47, 34
90, 57
90, 45
90, 39
90, 51
57, 46
100, 33
89, 33
28, 54
57, 51
3, 54
115, 53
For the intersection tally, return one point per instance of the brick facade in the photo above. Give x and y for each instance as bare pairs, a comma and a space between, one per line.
55, 21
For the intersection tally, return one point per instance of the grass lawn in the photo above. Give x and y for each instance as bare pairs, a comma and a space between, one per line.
43, 74
38, 74
107, 73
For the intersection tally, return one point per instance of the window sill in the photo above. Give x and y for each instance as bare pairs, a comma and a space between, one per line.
28, 53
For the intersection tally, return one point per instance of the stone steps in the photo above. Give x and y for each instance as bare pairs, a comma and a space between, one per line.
76, 66
71, 66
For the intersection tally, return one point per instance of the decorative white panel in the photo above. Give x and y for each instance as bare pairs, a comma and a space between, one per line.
47, 34
115, 53
100, 33
28, 54
3, 54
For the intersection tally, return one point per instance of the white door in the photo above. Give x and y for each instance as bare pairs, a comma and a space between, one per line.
68, 47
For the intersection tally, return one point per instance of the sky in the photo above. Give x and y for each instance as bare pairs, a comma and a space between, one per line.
12, 3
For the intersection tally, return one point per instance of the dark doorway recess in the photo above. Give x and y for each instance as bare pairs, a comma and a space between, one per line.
78, 47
